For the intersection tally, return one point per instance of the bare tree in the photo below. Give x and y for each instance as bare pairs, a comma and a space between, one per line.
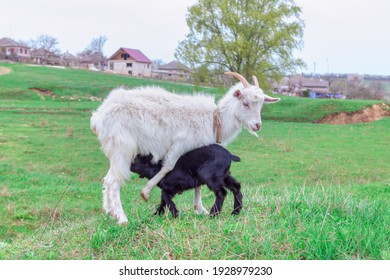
157, 63
378, 90
45, 42
94, 51
44, 49
97, 44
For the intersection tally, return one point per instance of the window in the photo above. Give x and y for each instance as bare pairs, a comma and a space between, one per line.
125, 56
130, 73
129, 64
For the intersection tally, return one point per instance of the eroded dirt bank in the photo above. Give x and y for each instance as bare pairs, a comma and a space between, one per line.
368, 114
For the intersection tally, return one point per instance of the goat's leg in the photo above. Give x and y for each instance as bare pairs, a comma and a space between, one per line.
199, 209
107, 196
153, 182
217, 186
169, 162
118, 210
233, 185
167, 197
111, 197
118, 173
219, 199
161, 208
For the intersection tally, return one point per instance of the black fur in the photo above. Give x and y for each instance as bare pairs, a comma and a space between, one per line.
208, 165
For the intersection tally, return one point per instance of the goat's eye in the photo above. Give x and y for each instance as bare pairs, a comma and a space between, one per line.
245, 103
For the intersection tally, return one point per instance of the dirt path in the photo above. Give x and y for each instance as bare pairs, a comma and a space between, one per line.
4, 70
368, 114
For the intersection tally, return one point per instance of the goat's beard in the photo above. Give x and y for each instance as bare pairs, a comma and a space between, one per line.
238, 124
252, 132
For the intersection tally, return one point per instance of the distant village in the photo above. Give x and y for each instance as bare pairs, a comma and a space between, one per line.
124, 61
133, 62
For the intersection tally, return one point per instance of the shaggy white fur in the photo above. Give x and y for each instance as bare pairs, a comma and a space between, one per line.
154, 121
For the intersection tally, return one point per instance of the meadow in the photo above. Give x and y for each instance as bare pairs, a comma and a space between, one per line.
310, 191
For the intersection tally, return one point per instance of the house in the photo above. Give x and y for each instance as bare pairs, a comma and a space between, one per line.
173, 71
130, 62
43, 56
296, 85
69, 60
92, 60
9, 49
309, 83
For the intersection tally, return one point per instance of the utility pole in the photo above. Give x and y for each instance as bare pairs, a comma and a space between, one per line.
327, 65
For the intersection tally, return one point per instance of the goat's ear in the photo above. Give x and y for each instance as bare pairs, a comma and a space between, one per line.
237, 94
269, 99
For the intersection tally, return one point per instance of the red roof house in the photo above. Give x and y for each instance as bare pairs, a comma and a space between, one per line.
9, 49
130, 62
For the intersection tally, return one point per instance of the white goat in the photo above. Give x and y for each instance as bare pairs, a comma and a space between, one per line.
154, 121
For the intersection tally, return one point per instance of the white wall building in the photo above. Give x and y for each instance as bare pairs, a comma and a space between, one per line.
130, 62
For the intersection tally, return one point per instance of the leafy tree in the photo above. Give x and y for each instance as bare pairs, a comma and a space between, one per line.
245, 36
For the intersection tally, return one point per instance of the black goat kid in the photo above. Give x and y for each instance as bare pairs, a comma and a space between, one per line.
208, 165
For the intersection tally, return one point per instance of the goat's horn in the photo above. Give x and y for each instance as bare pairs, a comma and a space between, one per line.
255, 81
238, 76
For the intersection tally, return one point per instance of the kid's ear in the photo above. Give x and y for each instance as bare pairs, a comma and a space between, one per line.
237, 94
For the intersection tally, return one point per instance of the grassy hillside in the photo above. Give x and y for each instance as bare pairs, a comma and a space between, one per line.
78, 87
310, 191
74, 83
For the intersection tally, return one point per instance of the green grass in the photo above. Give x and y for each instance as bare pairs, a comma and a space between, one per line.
310, 191
73, 83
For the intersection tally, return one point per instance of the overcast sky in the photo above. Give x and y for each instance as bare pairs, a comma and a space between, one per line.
341, 36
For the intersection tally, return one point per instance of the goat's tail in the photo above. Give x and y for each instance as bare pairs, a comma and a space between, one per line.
234, 158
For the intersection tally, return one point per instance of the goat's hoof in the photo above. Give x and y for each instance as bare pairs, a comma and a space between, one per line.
144, 197
110, 213
158, 212
213, 215
200, 210
122, 221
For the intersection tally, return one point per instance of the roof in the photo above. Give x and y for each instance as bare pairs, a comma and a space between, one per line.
174, 65
137, 55
42, 52
7, 42
68, 55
